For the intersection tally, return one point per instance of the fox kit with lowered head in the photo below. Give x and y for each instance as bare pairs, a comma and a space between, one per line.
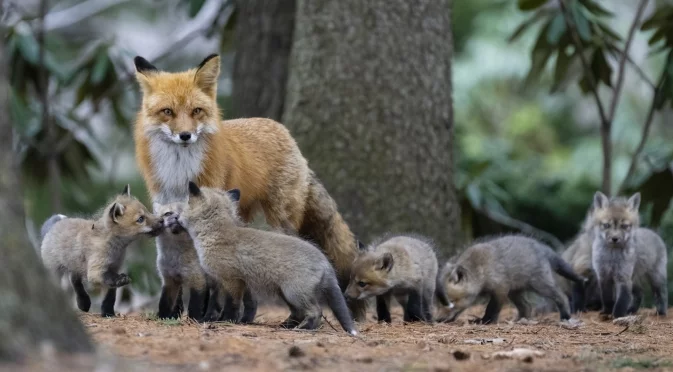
179, 137
400, 266
184, 264
93, 250
619, 247
505, 268
266, 262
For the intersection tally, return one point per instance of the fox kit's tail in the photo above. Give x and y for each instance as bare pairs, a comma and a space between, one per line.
337, 303
47, 225
324, 226
563, 268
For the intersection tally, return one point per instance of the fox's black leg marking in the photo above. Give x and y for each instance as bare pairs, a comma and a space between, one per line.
492, 311
382, 309
426, 311
114, 280
231, 312
83, 299
108, 306
413, 311
296, 315
197, 303
249, 307
170, 302
623, 300
607, 296
578, 300
214, 308
637, 299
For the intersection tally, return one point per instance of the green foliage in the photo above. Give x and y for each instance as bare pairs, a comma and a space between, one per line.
641, 363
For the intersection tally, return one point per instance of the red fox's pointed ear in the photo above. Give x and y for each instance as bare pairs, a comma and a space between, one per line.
144, 70
207, 74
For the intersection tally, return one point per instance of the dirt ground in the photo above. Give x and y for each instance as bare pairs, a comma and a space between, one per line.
461, 346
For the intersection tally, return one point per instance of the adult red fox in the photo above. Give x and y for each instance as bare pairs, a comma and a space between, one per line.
180, 137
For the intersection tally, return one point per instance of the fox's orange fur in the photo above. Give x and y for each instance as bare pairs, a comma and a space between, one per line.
257, 156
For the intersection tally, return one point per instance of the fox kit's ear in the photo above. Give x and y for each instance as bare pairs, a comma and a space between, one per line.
361, 247
234, 195
386, 262
127, 190
634, 201
600, 200
207, 74
116, 211
194, 190
144, 70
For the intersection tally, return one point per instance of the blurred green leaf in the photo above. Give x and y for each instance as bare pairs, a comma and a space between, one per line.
562, 64
581, 23
556, 29
525, 25
99, 68
601, 68
195, 6
530, 4
596, 8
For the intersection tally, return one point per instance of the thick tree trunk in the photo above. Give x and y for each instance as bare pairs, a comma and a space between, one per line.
263, 42
33, 310
369, 101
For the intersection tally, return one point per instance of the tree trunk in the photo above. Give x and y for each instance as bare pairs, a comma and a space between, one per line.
263, 42
33, 310
369, 101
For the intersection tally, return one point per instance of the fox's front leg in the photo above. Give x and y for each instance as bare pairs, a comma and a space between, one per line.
623, 299
235, 290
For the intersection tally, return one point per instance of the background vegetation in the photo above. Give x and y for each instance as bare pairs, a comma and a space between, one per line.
530, 138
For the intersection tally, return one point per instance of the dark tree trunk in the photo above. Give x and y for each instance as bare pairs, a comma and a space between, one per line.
33, 310
263, 42
369, 101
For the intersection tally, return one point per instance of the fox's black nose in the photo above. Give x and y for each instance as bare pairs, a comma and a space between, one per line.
185, 136
615, 239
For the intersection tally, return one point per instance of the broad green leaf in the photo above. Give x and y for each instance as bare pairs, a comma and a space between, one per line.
584, 84
99, 68
562, 64
581, 23
659, 35
600, 68
195, 7
661, 16
556, 29
596, 8
526, 5
525, 25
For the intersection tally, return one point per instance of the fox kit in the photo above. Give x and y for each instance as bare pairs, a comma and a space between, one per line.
179, 137
266, 262
505, 268
184, 264
93, 250
400, 266
622, 252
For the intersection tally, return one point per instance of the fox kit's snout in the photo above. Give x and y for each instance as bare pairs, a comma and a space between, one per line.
170, 213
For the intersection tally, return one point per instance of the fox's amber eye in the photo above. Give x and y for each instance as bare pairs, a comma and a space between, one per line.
140, 219
197, 111
167, 112
362, 284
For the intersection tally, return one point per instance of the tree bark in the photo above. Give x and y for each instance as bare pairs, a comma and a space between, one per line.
263, 42
369, 101
33, 310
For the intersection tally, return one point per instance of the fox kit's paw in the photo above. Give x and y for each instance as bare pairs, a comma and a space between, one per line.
121, 280
84, 303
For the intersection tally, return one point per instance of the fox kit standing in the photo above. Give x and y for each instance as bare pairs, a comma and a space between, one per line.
505, 268
618, 245
400, 266
93, 250
179, 137
266, 262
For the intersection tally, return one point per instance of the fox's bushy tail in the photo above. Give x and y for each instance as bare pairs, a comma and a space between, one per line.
49, 223
337, 303
324, 226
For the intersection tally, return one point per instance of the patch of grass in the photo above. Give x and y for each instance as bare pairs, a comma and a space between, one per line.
170, 322
641, 363
150, 316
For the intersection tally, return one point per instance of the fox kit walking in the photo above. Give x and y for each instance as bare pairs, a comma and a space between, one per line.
400, 266
505, 268
179, 137
622, 249
266, 262
93, 250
